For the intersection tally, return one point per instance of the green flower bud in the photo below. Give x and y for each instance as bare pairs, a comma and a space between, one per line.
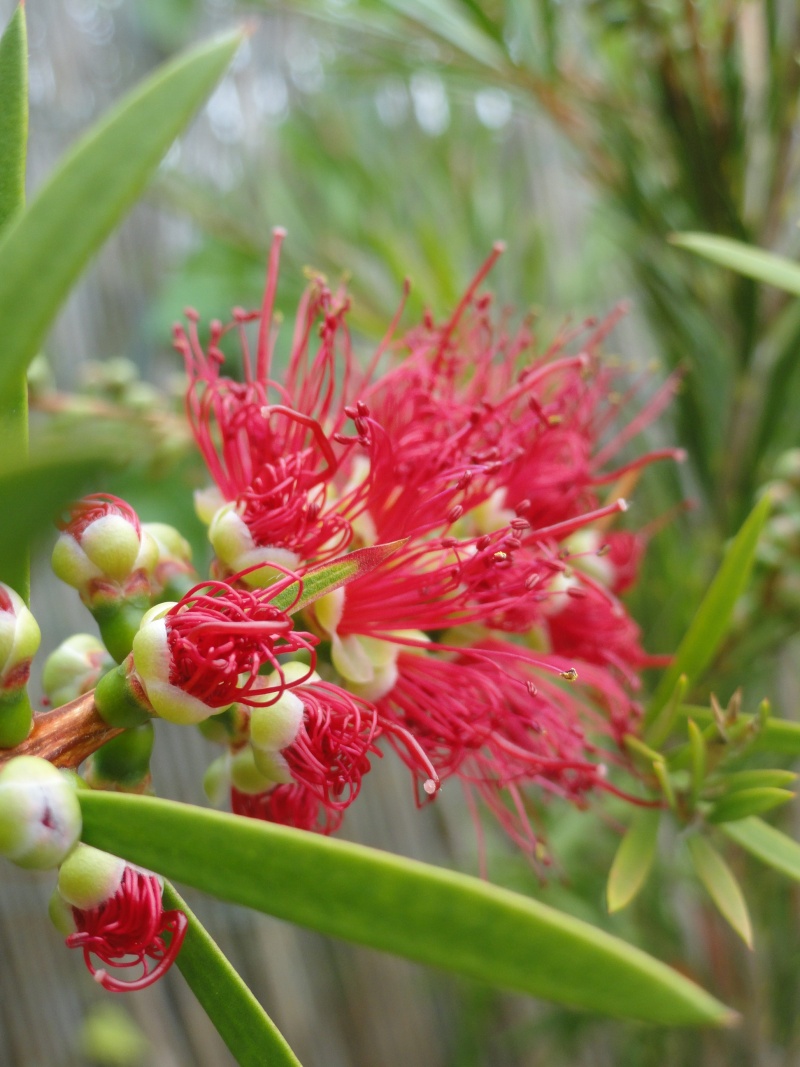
74, 668
19, 639
245, 775
89, 877
40, 817
275, 727
234, 545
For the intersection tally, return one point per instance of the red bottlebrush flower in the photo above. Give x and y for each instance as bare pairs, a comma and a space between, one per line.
129, 930
207, 651
275, 449
321, 768
319, 771
493, 717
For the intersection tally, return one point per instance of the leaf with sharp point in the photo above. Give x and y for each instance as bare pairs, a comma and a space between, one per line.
633, 860
724, 890
44, 248
712, 618
742, 803
241, 1022
744, 259
324, 578
425, 913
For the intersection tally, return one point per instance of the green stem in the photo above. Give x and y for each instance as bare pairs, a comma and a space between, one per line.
241, 1022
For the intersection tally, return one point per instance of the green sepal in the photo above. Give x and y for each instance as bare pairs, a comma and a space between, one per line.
117, 702
16, 718
124, 760
118, 622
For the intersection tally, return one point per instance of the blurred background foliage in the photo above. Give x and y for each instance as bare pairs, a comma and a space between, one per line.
399, 139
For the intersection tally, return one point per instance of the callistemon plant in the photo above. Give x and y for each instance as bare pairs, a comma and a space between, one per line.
415, 556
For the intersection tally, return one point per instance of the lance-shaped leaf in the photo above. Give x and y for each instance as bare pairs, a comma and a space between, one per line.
14, 561
744, 259
766, 844
719, 880
325, 577
424, 913
13, 115
633, 860
743, 802
712, 619
241, 1022
44, 249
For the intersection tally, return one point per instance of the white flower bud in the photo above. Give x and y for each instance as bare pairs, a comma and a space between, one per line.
89, 877
40, 817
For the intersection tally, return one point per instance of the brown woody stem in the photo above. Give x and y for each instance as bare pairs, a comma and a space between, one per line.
65, 736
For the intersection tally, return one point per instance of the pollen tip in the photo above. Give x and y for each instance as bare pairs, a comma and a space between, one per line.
279, 232
431, 787
623, 504
499, 247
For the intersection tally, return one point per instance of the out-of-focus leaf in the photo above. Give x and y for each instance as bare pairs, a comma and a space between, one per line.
745, 802
242, 1023
744, 259
775, 735
758, 779
13, 115
14, 564
719, 880
766, 844
424, 913
633, 860
34, 488
711, 621
44, 249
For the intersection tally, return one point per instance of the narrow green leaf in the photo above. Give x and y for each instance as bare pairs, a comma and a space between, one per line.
13, 115
633, 860
427, 914
443, 19
43, 250
14, 563
712, 619
744, 259
719, 880
325, 577
736, 780
745, 802
241, 1022
766, 844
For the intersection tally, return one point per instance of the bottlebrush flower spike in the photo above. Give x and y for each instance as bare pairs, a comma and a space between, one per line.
202, 654
119, 919
274, 449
